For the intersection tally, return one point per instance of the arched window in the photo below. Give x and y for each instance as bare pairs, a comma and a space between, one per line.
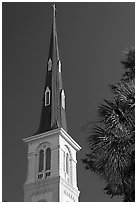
41, 160
47, 97
44, 165
67, 163
48, 159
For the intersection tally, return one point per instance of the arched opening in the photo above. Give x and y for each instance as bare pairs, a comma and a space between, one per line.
48, 159
44, 162
47, 97
41, 160
49, 65
67, 164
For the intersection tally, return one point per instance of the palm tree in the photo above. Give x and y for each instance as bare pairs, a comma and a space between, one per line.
112, 138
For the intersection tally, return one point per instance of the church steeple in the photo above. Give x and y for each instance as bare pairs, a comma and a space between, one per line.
53, 107
52, 174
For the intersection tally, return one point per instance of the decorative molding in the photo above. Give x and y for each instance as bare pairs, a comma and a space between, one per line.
69, 186
41, 136
31, 154
45, 194
50, 133
69, 195
70, 140
44, 144
41, 183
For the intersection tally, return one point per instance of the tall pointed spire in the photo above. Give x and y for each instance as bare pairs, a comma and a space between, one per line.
53, 107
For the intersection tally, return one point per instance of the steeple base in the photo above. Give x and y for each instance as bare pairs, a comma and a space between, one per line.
59, 182
50, 190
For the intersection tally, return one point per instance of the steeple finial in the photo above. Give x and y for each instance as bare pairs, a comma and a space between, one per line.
54, 10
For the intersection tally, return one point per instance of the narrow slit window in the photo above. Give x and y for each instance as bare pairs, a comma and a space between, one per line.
68, 170
67, 163
63, 99
59, 66
41, 160
48, 159
47, 97
49, 65
64, 162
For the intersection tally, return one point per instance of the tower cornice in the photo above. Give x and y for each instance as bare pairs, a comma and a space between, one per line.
51, 133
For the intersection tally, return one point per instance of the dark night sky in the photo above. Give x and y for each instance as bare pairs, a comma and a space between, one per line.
92, 37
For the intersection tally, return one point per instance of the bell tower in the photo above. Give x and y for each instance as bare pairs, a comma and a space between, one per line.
51, 174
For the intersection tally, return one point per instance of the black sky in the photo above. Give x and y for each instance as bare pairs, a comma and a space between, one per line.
92, 37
